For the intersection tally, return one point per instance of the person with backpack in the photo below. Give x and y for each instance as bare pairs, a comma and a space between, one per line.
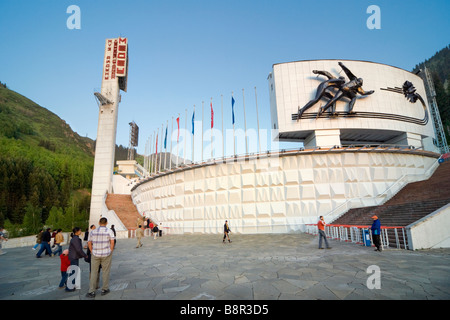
376, 232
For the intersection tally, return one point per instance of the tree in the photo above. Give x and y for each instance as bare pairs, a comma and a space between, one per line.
55, 218
32, 220
3, 207
19, 210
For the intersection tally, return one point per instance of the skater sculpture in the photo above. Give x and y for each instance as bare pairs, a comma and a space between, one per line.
326, 89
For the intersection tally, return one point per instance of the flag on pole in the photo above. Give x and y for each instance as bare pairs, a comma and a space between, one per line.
193, 118
212, 116
165, 140
178, 122
232, 109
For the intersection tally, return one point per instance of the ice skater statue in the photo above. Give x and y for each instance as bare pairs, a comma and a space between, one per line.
344, 89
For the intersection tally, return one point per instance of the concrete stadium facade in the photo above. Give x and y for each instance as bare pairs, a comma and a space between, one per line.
278, 193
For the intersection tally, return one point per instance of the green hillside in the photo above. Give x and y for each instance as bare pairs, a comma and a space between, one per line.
439, 66
45, 168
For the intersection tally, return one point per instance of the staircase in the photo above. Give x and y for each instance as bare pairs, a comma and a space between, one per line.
413, 202
124, 209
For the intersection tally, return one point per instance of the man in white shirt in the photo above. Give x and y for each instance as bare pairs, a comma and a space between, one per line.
101, 245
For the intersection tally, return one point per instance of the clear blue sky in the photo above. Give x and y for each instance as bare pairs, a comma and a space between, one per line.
184, 52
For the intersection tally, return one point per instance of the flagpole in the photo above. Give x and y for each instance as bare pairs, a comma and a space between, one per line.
160, 155
202, 129
193, 134
170, 158
146, 154
223, 137
257, 121
234, 140
212, 119
165, 147
185, 132
154, 153
245, 124
150, 154
177, 137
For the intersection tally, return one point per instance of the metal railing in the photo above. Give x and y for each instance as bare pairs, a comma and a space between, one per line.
391, 237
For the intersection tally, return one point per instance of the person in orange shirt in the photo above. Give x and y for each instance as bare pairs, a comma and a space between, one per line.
321, 226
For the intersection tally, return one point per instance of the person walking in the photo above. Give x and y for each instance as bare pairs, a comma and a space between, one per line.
2, 238
376, 232
53, 238
75, 251
101, 244
65, 263
226, 232
155, 231
45, 243
321, 226
38, 239
151, 226
59, 239
86, 235
139, 235
115, 238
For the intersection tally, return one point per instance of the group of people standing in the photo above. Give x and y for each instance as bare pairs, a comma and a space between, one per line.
100, 243
375, 228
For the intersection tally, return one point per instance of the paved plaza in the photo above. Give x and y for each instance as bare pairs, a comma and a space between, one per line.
252, 267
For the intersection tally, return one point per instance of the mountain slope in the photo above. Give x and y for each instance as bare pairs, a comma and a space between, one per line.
439, 67
43, 163
21, 118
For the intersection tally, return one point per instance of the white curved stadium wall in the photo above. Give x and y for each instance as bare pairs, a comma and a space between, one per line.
293, 84
277, 194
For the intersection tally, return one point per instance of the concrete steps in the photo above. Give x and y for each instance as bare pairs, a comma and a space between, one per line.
124, 208
413, 202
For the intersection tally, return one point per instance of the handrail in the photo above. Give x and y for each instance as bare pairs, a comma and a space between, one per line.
363, 226
347, 233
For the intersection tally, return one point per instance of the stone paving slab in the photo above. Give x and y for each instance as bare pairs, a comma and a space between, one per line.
252, 267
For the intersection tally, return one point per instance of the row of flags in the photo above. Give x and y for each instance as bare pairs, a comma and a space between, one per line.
212, 117
156, 137
165, 137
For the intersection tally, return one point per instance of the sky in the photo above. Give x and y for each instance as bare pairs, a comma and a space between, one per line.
183, 53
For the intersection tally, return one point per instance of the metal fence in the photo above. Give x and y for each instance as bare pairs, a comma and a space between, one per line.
391, 237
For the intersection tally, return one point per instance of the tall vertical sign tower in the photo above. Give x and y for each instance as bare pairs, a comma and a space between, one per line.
115, 72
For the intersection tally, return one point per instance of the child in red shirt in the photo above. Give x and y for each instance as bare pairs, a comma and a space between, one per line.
65, 263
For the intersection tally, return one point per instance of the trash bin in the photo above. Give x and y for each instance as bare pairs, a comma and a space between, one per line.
366, 238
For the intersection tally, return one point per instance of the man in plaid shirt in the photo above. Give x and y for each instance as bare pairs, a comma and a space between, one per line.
101, 245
